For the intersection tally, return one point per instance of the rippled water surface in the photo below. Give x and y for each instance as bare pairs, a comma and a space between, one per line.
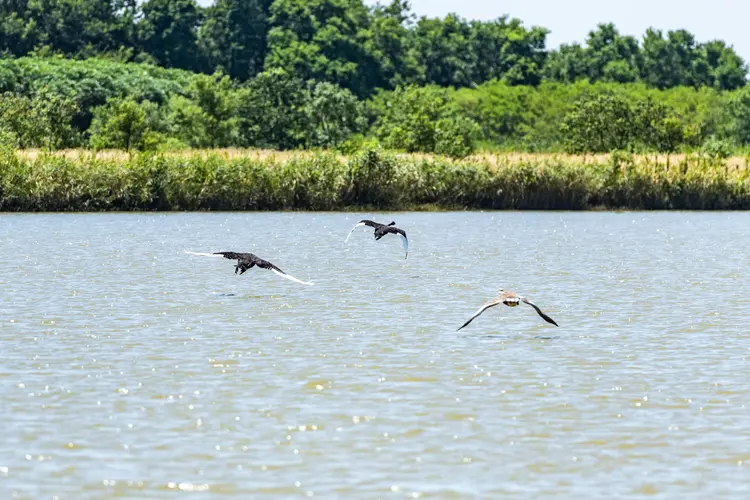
131, 370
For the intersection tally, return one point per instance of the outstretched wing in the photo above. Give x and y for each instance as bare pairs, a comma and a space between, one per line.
404, 241
236, 255
491, 303
350, 232
204, 254
226, 255
362, 223
290, 277
539, 311
265, 264
271, 267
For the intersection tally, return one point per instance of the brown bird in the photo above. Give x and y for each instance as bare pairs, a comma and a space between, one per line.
510, 299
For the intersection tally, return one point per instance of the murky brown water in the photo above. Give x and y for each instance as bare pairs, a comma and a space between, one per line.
128, 370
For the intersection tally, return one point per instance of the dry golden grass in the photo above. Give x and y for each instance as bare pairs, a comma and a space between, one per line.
493, 159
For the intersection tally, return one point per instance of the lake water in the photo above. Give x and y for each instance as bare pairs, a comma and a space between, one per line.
131, 370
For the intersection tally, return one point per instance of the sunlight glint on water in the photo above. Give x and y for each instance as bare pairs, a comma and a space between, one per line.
130, 369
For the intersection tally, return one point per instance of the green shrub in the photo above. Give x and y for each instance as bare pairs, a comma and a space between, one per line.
127, 124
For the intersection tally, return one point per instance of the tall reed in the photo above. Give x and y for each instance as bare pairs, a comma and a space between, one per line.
370, 179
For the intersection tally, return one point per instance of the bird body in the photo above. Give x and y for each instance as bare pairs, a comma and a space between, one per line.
510, 299
381, 230
247, 261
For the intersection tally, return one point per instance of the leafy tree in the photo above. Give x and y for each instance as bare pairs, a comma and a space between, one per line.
418, 119
126, 124
611, 56
505, 50
206, 117
567, 64
443, 50
271, 110
333, 114
84, 27
55, 122
601, 123
167, 32
739, 115
43, 121
18, 34
323, 40
656, 127
607, 121
668, 62
392, 44
233, 36
455, 136
724, 69
15, 122
607, 56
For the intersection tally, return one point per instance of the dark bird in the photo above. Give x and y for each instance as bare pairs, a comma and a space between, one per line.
247, 261
510, 299
381, 230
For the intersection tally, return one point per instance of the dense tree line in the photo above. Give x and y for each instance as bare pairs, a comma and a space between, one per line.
353, 46
56, 103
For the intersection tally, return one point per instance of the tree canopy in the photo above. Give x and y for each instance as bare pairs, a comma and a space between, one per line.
357, 47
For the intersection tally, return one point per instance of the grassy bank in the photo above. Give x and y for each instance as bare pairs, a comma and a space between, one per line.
264, 180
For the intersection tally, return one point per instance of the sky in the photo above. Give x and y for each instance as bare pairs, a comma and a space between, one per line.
570, 21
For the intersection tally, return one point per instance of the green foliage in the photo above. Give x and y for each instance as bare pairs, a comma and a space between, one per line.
716, 148
607, 122
333, 114
271, 111
280, 111
659, 61
90, 83
167, 32
206, 117
233, 36
739, 117
323, 40
127, 124
419, 119
354, 45
367, 179
455, 137
37, 122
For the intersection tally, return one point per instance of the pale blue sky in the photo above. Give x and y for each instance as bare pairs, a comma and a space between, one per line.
571, 20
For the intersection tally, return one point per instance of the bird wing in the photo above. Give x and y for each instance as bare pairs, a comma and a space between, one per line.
489, 304
539, 311
236, 255
404, 241
290, 277
370, 223
267, 265
204, 254
361, 223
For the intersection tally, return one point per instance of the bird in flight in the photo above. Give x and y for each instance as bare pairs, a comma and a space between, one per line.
381, 230
247, 261
510, 299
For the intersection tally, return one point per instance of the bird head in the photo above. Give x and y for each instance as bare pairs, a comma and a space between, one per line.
392, 223
500, 290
